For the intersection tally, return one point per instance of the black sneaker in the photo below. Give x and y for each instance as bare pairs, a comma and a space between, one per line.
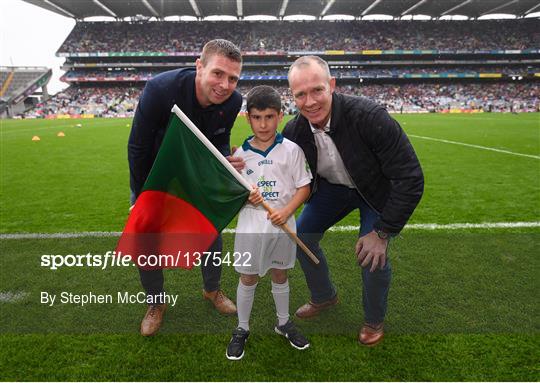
235, 349
289, 331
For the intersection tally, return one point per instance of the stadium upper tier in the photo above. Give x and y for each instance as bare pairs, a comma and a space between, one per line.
316, 36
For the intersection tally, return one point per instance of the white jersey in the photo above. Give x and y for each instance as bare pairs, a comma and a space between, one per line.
278, 173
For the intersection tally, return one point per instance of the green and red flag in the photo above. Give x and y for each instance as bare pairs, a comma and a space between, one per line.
189, 197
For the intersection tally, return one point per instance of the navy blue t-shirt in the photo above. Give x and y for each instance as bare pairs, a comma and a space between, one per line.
153, 113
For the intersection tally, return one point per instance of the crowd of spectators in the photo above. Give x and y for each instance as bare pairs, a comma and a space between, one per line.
426, 97
170, 37
403, 70
98, 101
437, 97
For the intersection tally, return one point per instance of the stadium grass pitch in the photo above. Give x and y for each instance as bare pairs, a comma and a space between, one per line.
463, 304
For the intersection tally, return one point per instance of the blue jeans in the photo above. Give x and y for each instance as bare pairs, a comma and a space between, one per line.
153, 280
329, 205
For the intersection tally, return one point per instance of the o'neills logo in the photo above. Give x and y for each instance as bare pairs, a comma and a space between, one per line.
267, 189
265, 162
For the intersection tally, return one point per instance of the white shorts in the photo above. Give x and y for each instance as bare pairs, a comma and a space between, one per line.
270, 247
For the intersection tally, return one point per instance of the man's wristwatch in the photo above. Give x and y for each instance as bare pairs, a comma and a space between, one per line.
382, 234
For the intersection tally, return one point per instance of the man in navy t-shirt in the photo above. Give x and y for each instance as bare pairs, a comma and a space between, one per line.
208, 97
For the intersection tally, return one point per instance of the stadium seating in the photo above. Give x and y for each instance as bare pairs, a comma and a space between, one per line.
408, 66
175, 37
96, 101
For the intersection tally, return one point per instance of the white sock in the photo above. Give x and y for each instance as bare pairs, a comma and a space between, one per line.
245, 296
281, 299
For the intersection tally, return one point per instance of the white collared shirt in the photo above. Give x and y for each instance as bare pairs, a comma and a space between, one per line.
329, 163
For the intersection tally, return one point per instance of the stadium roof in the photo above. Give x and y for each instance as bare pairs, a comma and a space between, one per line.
80, 9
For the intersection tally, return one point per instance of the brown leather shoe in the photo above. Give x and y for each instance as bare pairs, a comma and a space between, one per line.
310, 309
152, 320
371, 334
222, 304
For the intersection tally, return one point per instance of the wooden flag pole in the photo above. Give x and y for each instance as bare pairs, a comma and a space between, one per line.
294, 237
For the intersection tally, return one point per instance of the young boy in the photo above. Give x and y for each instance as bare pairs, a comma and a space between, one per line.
277, 167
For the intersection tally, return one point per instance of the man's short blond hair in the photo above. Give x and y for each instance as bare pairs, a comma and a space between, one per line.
307, 61
223, 48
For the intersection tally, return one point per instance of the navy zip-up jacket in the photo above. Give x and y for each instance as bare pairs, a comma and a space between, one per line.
153, 113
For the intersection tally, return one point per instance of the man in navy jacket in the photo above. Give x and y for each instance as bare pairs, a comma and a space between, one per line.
208, 97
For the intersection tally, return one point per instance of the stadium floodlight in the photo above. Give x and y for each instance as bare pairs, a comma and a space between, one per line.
531, 15
416, 17
497, 16
454, 17
373, 5
102, 6
260, 18
220, 18
299, 17
376, 16
499, 7
338, 17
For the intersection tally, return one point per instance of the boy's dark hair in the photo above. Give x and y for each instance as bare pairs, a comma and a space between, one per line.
263, 97
221, 47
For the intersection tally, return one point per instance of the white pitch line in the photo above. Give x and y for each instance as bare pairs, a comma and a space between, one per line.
4, 131
475, 146
414, 226
38, 128
478, 117
82, 234
452, 226
11, 297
